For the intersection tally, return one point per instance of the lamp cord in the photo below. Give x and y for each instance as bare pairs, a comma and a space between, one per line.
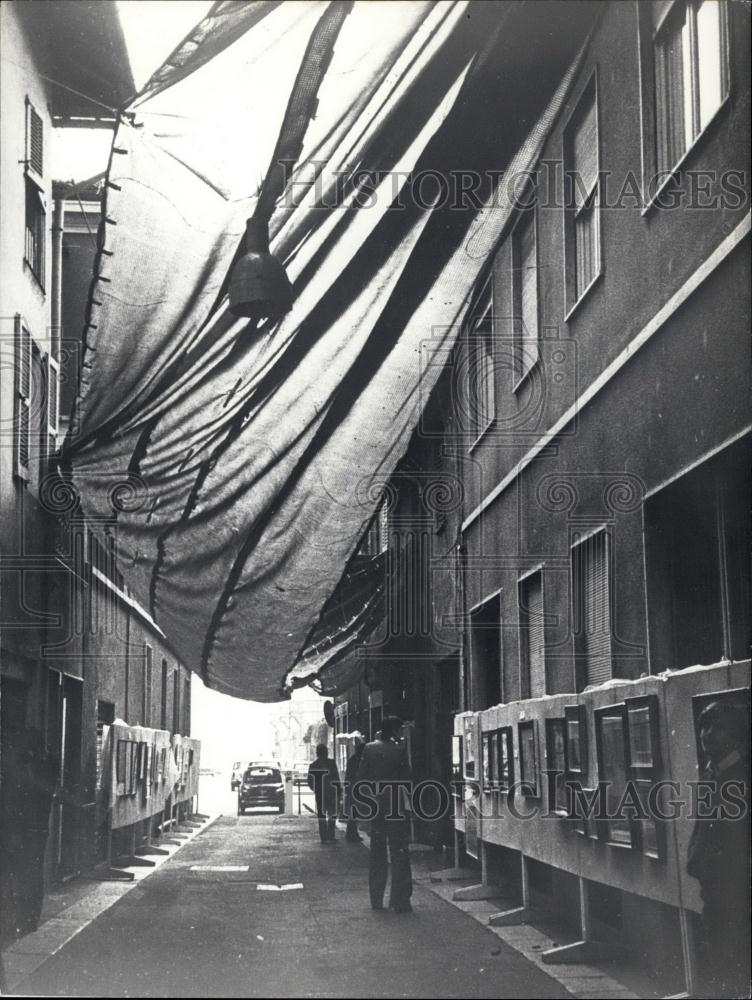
301, 107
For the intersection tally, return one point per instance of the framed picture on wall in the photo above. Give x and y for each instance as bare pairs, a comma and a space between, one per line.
121, 767
468, 750
575, 718
457, 758
506, 759
611, 745
650, 830
527, 734
488, 742
735, 698
556, 766
643, 747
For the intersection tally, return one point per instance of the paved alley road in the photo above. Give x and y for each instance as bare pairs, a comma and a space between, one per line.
187, 933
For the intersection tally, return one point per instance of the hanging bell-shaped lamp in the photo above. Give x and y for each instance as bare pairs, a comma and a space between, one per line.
259, 286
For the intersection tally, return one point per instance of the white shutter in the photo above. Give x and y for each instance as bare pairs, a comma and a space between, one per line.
22, 415
34, 159
52, 405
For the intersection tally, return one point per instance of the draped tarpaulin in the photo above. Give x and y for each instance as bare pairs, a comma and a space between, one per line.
244, 464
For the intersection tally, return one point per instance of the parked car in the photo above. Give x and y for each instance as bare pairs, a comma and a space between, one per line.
262, 785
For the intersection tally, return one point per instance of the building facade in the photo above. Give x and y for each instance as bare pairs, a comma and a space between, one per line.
596, 412
77, 652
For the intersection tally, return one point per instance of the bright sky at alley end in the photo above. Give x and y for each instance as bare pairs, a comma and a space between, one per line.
153, 28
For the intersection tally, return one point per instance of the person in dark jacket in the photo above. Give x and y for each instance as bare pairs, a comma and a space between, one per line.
351, 776
27, 794
323, 779
718, 855
383, 763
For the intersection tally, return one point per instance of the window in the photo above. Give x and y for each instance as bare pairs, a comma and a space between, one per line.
163, 703
52, 407
176, 701
582, 220
481, 368
36, 213
186, 706
22, 417
690, 73
592, 609
532, 635
697, 537
148, 679
485, 652
525, 293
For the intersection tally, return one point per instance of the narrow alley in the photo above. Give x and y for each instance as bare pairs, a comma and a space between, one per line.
204, 925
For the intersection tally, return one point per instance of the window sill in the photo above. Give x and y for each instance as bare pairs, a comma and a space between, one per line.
523, 379
652, 202
37, 280
482, 434
583, 296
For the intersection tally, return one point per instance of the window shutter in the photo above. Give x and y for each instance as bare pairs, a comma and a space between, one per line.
596, 617
533, 635
585, 154
148, 680
22, 416
536, 636
34, 143
526, 306
53, 404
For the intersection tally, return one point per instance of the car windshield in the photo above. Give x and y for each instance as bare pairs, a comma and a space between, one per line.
262, 775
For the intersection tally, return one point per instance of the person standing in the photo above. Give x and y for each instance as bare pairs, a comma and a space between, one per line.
323, 779
385, 768
351, 776
718, 855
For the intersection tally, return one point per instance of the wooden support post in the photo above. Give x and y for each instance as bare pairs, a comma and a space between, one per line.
525, 882
585, 933
689, 954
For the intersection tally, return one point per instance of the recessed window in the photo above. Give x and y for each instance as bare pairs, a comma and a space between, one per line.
525, 293
485, 652
532, 636
591, 610
582, 211
481, 389
684, 67
689, 59
697, 535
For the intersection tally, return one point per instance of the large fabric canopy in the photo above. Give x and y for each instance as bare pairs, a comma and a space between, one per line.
243, 461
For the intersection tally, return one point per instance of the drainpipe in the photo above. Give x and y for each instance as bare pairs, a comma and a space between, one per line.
58, 220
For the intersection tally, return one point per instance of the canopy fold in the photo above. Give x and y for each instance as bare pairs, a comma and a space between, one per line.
242, 463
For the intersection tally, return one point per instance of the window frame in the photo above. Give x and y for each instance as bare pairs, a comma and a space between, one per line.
554, 807
573, 298
523, 344
34, 192
605, 829
646, 36
484, 308
525, 676
577, 582
22, 385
